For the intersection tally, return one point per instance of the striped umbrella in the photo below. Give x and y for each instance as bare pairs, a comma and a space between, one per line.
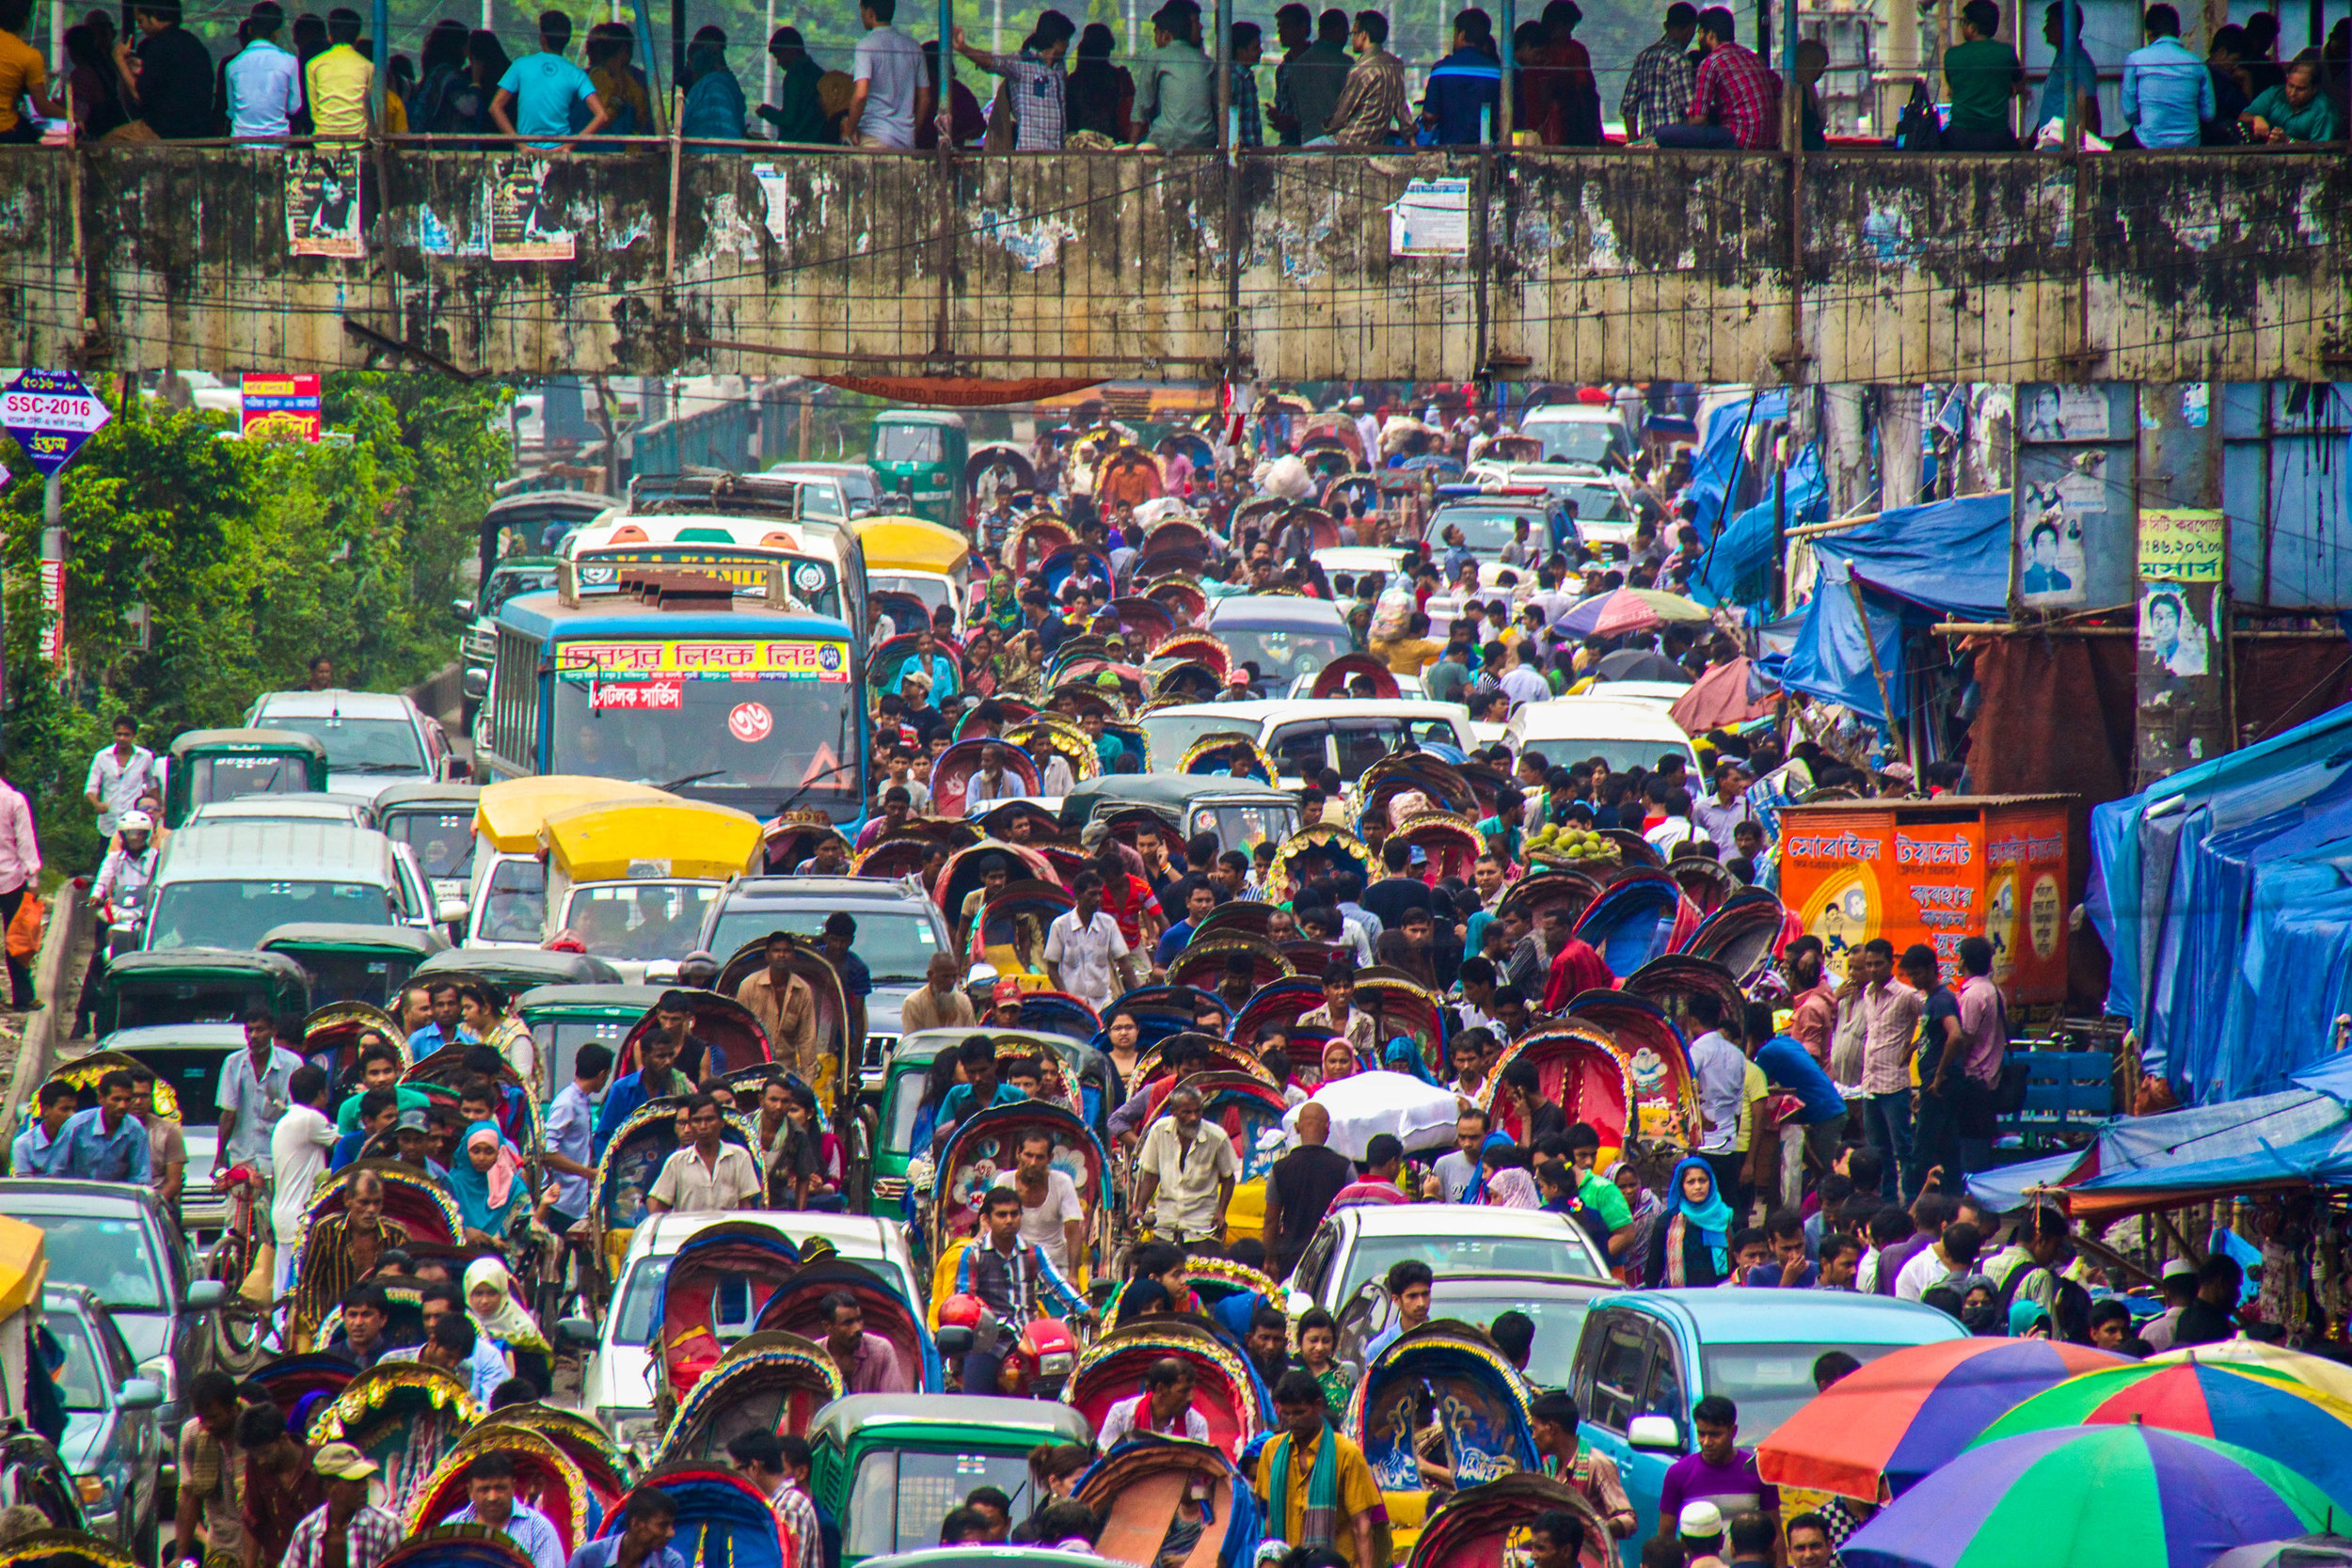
1627, 609
2315, 1372
2103, 1497
2309, 1432
1876, 1432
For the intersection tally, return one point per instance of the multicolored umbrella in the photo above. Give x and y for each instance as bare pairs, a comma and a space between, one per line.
2313, 1372
1874, 1432
2103, 1497
2309, 1432
1627, 609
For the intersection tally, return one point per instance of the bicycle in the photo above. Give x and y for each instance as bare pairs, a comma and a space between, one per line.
239, 1327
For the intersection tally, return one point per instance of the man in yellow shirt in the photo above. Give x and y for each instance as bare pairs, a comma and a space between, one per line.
1412, 653
23, 73
337, 80
1316, 1488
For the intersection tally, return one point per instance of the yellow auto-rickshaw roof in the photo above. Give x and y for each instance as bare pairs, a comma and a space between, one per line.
510, 814
897, 543
614, 840
23, 1269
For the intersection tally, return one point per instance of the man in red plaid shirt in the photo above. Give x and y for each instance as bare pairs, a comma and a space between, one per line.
1738, 101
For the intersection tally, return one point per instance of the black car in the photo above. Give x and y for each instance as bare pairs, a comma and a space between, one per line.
898, 928
117, 1242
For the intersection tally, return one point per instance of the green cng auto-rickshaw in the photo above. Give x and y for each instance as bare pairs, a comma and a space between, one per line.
221, 765
197, 985
354, 964
890, 1466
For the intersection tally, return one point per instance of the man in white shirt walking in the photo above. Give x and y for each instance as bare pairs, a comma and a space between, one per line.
891, 94
120, 773
298, 1145
1083, 948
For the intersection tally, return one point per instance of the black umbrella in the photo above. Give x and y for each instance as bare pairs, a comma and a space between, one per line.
1639, 664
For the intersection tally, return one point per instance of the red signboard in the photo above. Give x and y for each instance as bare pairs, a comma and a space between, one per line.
281, 408
638, 694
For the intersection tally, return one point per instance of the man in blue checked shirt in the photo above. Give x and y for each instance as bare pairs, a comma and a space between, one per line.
491, 1493
106, 1143
1013, 1278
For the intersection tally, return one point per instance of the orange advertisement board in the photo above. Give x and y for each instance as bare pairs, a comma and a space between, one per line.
1935, 872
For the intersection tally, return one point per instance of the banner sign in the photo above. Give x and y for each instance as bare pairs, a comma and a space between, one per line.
281, 407
51, 414
705, 658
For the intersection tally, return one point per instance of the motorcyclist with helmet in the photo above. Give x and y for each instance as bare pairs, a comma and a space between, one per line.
120, 896
1010, 1282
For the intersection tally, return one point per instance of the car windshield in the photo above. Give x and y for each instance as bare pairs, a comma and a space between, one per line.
753, 743
908, 443
225, 778
897, 947
1484, 530
80, 1383
899, 1496
1246, 826
1279, 656
560, 1038
930, 589
236, 914
1171, 735
1559, 1318
1565, 1253
111, 1256
515, 905
1594, 503
508, 581
360, 745
1622, 756
1770, 1382
899, 1117
640, 921
443, 840
641, 1297
1575, 441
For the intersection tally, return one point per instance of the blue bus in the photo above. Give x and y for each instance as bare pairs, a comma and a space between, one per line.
685, 682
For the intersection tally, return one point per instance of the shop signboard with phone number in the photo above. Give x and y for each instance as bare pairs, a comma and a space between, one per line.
666, 662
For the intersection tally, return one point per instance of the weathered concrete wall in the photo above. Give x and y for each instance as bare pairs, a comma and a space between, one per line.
2191, 267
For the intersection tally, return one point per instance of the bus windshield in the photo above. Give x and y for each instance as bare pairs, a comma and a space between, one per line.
752, 722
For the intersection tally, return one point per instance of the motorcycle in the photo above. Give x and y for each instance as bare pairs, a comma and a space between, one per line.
1035, 1365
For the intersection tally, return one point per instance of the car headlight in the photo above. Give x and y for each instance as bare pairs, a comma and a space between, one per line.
165, 1372
1055, 1363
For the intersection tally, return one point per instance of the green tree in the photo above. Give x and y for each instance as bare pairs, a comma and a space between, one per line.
251, 558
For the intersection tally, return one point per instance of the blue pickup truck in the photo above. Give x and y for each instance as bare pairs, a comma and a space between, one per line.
1647, 1356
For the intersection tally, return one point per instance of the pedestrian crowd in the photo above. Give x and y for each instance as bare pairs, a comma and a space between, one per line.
1336, 83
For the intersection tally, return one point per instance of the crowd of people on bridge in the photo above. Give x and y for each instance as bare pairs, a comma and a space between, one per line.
1335, 82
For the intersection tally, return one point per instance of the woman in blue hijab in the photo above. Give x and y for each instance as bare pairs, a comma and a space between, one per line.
1403, 1055
1690, 1245
482, 1179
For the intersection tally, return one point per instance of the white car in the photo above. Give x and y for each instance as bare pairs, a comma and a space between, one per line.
374, 739
617, 1385
1591, 434
1357, 1247
1308, 735
1626, 734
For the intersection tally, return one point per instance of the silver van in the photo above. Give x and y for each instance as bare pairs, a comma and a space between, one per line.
225, 884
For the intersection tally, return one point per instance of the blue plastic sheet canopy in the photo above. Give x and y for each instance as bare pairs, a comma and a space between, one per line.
2223, 898
1717, 461
1913, 566
2151, 1153
1737, 566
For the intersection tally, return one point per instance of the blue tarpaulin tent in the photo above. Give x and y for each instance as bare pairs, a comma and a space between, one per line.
1736, 569
1914, 566
2222, 896
1713, 466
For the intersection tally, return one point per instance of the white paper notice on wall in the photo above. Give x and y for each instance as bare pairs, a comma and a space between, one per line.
1431, 218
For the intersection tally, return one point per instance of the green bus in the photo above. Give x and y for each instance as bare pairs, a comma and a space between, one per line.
919, 455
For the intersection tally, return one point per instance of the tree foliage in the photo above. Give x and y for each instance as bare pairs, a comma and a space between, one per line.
251, 559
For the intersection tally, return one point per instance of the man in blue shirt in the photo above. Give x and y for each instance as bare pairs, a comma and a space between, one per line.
1458, 107
979, 1087
657, 1077
571, 1138
106, 1143
2167, 92
650, 1524
1200, 903
264, 81
441, 1025
2077, 75
40, 1149
857, 981
1786, 1063
536, 94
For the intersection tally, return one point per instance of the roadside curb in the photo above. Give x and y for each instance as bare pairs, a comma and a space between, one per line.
69, 913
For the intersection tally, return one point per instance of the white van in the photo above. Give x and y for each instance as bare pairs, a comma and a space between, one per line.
1305, 737
1586, 432
1625, 735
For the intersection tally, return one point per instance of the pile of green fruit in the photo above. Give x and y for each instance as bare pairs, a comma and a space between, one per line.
1555, 841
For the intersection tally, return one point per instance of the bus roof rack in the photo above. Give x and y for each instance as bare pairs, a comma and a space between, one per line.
676, 589
714, 490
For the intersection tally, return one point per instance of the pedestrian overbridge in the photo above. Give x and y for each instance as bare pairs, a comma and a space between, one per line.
1846, 267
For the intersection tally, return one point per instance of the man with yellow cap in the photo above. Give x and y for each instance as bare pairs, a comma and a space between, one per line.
345, 1531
